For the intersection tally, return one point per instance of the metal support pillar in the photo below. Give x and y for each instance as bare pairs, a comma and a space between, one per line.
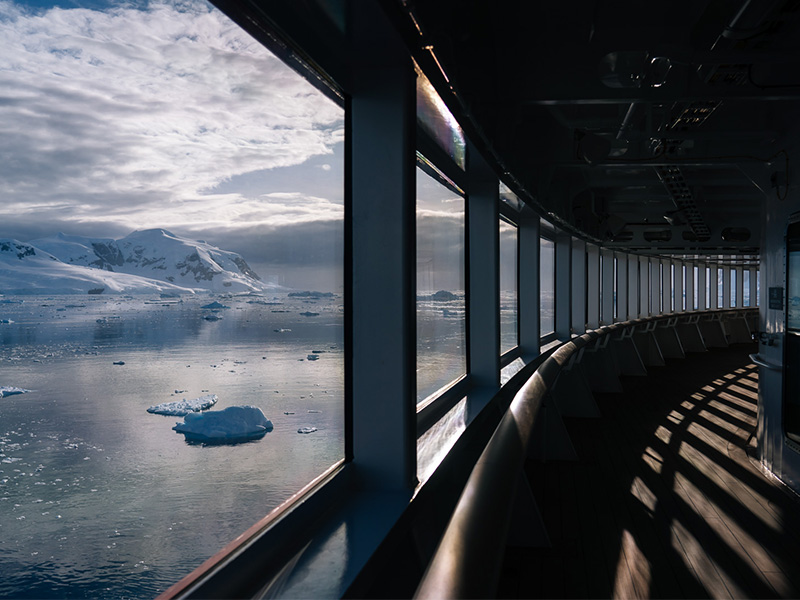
484, 275
563, 286
592, 286
578, 286
529, 285
382, 278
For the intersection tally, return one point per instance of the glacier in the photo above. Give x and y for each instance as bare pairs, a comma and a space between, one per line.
181, 408
231, 425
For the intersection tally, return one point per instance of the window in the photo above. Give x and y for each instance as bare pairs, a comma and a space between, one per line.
441, 300
616, 286
733, 287
758, 288
708, 287
684, 276
547, 279
509, 312
196, 241
671, 291
696, 271
746, 287
720, 287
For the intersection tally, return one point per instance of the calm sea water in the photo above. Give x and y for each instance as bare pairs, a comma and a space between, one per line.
99, 498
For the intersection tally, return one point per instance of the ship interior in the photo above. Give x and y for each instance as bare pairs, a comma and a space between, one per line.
640, 437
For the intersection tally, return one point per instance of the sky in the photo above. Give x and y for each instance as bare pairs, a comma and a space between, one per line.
116, 117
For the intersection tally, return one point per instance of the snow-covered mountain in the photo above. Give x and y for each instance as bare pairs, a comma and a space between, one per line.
152, 260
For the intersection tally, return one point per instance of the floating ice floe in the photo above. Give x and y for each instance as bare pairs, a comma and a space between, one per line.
6, 321
215, 306
119, 362
234, 424
11, 391
307, 430
312, 357
212, 318
181, 408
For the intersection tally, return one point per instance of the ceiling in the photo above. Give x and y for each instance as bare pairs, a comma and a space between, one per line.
656, 126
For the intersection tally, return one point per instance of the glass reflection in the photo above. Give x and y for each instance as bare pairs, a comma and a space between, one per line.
508, 286
547, 278
441, 300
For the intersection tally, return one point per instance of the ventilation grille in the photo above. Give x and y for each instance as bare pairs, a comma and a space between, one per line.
676, 185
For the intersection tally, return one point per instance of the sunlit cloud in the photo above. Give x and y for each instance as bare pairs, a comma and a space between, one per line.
134, 118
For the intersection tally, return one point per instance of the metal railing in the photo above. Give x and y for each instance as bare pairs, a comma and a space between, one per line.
469, 557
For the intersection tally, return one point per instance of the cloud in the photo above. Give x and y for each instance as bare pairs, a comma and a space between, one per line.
128, 118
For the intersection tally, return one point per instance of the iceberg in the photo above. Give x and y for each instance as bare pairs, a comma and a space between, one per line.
10, 391
181, 408
229, 426
215, 306
307, 430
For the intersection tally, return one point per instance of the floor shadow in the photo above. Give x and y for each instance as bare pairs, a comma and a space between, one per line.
664, 501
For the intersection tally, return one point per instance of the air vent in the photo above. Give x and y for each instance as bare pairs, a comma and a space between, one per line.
658, 235
735, 234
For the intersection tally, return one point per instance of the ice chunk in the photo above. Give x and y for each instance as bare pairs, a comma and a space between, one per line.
10, 391
234, 424
307, 430
180, 408
215, 306
119, 362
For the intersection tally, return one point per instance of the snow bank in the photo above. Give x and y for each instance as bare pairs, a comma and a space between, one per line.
10, 391
181, 408
234, 424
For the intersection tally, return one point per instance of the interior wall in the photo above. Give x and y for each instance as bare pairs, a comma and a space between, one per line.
778, 456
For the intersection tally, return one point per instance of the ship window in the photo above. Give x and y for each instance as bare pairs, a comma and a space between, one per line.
684, 276
547, 278
671, 290
733, 287
438, 122
509, 311
176, 196
510, 198
441, 300
720, 287
758, 288
708, 287
616, 284
746, 287
696, 274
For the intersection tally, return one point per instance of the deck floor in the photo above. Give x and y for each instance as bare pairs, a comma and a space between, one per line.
665, 501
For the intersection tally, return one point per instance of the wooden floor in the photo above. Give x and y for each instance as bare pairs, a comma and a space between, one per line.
665, 501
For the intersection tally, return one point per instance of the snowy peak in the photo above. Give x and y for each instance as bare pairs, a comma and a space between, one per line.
15, 249
164, 255
156, 255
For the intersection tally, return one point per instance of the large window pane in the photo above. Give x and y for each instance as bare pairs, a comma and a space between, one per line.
441, 303
547, 279
733, 287
720, 287
508, 286
172, 225
746, 287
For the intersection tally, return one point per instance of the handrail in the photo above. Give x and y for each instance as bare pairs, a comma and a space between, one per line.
469, 557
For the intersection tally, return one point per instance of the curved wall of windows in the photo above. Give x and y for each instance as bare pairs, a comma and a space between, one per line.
191, 189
